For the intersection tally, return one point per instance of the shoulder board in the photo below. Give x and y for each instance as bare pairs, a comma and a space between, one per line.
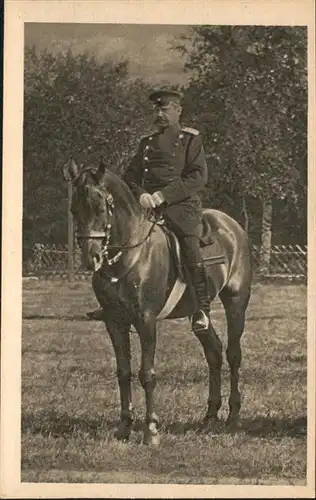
190, 130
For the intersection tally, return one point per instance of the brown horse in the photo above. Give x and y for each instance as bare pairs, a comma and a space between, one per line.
118, 241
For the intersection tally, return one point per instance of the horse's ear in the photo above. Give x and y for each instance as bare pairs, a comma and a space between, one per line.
101, 170
70, 170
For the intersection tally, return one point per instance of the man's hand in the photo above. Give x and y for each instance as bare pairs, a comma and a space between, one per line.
147, 201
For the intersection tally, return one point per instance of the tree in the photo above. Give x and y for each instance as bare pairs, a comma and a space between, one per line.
74, 106
248, 90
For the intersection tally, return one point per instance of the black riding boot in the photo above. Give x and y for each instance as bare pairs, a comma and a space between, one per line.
200, 320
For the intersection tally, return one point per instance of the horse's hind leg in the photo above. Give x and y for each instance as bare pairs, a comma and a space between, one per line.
119, 334
213, 352
235, 307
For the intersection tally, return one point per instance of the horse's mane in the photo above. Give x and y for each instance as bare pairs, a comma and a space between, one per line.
119, 189
115, 185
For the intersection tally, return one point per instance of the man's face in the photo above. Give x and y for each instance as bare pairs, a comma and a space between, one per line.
167, 115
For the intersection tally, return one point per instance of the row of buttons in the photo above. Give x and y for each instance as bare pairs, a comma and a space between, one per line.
146, 149
176, 143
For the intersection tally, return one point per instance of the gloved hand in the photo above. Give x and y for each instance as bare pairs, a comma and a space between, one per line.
146, 200
158, 198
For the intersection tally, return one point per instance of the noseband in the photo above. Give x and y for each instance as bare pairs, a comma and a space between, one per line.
105, 235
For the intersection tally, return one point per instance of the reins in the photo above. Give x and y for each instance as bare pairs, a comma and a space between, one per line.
130, 247
106, 234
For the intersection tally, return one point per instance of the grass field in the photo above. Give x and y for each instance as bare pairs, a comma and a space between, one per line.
70, 402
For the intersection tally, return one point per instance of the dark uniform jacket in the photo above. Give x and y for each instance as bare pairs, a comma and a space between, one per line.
173, 162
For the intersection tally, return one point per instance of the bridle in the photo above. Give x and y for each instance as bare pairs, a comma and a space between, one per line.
106, 235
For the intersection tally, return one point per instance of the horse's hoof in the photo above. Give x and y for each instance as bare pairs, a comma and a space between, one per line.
210, 419
211, 424
121, 437
151, 440
232, 422
151, 435
122, 433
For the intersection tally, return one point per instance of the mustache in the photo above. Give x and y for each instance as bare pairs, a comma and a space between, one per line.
161, 120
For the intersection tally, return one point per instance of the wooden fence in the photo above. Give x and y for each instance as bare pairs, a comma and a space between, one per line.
53, 262
285, 260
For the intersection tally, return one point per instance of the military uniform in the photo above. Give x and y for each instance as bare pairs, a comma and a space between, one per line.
171, 163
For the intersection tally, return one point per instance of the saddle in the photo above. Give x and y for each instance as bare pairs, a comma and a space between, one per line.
210, 244
212, 253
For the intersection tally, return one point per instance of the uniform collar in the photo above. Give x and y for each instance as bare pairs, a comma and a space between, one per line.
172, 129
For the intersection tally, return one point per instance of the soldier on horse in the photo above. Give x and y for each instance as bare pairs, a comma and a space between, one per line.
135, 269
166, 175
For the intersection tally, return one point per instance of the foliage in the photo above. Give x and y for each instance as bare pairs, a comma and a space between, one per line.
248, 95
74, 106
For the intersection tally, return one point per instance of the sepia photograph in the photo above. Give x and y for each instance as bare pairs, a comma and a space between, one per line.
162, 334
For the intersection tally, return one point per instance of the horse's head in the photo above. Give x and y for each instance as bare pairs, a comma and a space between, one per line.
92, 208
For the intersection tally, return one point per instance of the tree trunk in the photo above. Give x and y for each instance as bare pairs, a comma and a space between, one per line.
70, 236
244, 211
266, 235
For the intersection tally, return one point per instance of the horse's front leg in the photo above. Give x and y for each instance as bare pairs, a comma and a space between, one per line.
146, 328
119, 334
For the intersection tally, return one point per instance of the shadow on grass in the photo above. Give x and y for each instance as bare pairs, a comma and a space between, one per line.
275, 317
256, 427
274, 426
51, 423
63, 317
56, 424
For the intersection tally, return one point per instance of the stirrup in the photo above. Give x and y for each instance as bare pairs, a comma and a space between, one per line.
96, 315
200, 321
